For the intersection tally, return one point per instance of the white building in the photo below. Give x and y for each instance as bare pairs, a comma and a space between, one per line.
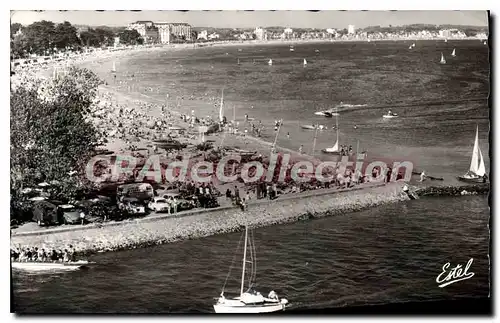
331, 31
260, 33
164, 32
351, 29
140, 26
213, 36
288, 31
203, 35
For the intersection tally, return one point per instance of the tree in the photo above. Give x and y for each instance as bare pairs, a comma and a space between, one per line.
130, 37
40, 36
65, 36
50, 134
14, 28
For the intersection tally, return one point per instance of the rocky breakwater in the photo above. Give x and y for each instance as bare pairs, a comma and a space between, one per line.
148, 231
452, 190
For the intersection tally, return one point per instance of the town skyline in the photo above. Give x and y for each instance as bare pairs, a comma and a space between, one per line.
249, 19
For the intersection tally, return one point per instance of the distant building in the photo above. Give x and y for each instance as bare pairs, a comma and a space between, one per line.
181, 31
140, 26
162, 32
152, 35
203, 35
351, 29
117, 41
331, 31
260, 33
213, 36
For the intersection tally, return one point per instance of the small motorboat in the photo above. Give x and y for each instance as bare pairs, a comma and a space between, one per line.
43, 266
390, 115
326, 113
308, 127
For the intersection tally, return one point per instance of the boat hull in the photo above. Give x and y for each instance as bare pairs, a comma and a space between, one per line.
471, 179
308, 127
249, 309
389, 117
42, 266
331, 152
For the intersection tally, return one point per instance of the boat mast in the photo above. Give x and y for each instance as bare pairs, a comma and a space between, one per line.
244, 262
337, 122
314, 141
277, 133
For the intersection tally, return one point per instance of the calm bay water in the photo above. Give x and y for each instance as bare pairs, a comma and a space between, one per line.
388, 254
385, 255
439, 105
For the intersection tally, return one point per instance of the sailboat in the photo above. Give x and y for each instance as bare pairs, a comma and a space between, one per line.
335, 148
305, 62
291, 48
238, 61
442, 61
270, 62
113, 70
221, 109
453, 53
249, 301
476, 170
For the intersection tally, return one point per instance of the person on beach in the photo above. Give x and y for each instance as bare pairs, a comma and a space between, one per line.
287, 135
301, 148
422, 176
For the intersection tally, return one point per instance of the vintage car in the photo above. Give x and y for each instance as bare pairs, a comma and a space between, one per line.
159, 204
132, 206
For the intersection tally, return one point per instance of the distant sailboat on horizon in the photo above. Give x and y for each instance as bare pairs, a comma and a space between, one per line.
305, 62
270, 62
238, 61
442, 61
453, 53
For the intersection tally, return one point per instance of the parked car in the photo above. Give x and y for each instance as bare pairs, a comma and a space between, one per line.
45, 213
71, 214
140, 191
158, 204
132, 206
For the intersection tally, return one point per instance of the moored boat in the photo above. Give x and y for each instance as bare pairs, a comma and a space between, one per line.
477, 170
390, 115
249, 301
41, 266
335, 149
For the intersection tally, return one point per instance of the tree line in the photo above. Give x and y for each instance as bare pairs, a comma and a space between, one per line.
46, 38
51, 137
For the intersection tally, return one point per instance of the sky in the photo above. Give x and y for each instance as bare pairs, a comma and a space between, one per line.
251, 19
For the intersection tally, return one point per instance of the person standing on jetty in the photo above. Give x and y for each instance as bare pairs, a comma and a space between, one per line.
236, 192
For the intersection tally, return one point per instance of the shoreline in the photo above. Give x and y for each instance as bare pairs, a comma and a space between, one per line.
195, 224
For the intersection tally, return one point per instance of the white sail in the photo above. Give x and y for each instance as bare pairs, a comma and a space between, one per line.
481, 169
453, 53
443, 61
221, 109
114, 67
335, 147
270, 62
477, 161
305, 62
